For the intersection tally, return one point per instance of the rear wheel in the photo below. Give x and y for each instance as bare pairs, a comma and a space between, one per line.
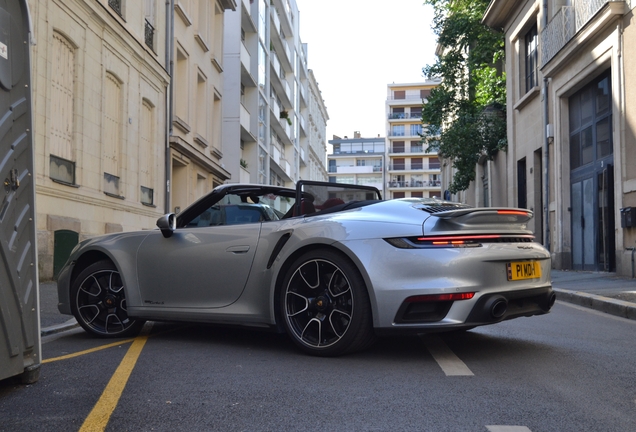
98, 302
325, 305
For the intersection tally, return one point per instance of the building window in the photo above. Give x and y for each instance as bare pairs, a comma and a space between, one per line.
416, 129
397, 113
202, 22
416, 164
111, 185
590, 123
398, 146
202, 104
424, 94
62, 170
433, 163
399, 94
62, 110
116, 6
397, 130
399, 195
182, 86
218, 33
147, 150
531, 59
113, 123
522, 201
147, 196
398, 164
149, 28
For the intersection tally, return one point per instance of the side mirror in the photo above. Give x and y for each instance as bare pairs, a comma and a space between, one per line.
167, 224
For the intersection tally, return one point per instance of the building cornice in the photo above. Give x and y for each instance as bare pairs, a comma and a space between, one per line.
498, 12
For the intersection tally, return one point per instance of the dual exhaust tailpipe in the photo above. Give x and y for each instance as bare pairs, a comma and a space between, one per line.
497, 306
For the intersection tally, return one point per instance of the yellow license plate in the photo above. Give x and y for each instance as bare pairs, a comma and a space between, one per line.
519, 270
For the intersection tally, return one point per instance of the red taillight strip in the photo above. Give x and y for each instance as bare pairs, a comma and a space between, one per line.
458, 238
512, 212
440, 297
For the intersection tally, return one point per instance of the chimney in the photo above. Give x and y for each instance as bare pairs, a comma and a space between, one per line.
356, 134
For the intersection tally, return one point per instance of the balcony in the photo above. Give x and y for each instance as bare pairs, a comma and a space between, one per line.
569, 20
354, 169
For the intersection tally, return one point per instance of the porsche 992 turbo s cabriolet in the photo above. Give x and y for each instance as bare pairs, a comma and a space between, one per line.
332, 265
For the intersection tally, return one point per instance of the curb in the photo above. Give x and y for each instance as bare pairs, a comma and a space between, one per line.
59, 328
608, 305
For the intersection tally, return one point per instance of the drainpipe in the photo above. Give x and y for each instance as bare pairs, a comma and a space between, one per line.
169, 101
546, 151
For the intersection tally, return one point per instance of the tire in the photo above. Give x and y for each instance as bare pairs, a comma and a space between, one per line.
325, 305
98, 302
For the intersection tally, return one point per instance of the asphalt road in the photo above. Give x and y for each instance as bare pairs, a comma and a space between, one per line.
571, 370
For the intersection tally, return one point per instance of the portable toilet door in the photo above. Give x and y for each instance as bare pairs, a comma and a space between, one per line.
20, 345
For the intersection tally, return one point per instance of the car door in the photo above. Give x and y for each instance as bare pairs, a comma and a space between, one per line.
197, 267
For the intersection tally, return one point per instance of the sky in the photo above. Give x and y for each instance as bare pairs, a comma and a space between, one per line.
356, 48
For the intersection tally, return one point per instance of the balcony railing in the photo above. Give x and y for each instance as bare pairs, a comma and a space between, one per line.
149, 35
414, 184
566, 23
394, 116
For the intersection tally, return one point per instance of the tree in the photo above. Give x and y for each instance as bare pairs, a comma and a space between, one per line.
466, 112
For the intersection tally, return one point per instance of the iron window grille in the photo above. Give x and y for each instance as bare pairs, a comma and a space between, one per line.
149, 35
115, 5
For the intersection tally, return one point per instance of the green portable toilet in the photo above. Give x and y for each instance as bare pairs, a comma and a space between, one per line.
20, 346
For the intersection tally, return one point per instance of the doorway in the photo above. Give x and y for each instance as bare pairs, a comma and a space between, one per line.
592, 177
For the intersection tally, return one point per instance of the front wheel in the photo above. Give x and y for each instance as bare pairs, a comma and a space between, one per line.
325, 305
98, 302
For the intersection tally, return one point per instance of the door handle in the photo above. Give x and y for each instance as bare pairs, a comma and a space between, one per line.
238, 249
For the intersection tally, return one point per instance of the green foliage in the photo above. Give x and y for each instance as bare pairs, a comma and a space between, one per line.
466, 112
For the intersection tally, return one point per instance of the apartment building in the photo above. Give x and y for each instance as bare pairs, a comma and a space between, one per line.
99, 90
570, 72
358, 160
411, 170
274, 117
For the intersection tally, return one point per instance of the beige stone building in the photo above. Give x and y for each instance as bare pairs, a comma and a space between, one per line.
196, 158
570, 71
99, 81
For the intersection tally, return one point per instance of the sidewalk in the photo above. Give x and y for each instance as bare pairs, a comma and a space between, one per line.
605, 292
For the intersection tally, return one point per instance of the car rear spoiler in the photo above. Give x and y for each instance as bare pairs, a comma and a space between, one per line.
483, 220
488, 214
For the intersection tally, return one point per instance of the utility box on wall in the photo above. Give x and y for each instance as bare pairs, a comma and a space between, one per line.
628, 217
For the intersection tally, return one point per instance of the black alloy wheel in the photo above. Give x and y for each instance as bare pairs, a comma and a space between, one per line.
98, 302
325, 305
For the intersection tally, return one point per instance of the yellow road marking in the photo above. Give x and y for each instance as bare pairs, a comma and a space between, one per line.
88, 351
101, 412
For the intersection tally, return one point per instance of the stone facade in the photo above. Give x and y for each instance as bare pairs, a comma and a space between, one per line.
569, 69
99, 89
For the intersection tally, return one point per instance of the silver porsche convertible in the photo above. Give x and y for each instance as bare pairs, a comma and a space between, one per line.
332, 265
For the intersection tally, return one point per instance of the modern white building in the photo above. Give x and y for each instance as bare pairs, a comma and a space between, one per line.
358, 160
274, 117
411, 171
